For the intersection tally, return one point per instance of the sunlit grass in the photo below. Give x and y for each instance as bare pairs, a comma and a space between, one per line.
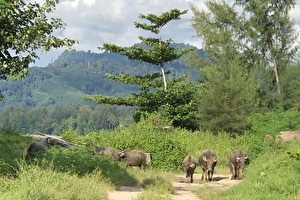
33, 182
273, 175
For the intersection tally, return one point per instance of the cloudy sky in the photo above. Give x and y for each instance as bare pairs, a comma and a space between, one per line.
95, 22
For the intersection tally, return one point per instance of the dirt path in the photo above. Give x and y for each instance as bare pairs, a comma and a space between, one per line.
124, 193
183, 189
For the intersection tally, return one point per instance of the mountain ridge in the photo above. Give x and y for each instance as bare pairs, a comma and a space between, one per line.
75, 74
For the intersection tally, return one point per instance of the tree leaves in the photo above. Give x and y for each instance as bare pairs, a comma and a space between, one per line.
154, 94
25, 28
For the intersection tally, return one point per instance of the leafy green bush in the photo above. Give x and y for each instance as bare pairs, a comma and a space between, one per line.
275, 121
166, 151
77, 160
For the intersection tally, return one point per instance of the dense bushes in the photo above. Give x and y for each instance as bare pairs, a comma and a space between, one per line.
13, 148
275, 121
78, 160
167, 152
81, 119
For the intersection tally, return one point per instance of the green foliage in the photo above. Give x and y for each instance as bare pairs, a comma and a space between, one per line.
274, 121
13, 147
166, 150
290, 85
227, 97
271, 175
25, 28
78, 160
181, 106
260, 36
80, 119
154, 94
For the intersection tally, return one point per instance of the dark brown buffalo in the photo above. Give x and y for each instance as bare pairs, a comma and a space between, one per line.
207, 161
133, 158
188, 166
39, 147
237, 162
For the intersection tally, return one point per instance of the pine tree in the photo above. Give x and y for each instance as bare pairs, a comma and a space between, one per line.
154, 92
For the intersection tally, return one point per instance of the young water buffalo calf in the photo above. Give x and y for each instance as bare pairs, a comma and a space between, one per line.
189, 166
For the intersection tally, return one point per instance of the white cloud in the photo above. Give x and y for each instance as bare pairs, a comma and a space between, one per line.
95, 22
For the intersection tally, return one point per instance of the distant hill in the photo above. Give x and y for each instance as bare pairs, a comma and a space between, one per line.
75, 74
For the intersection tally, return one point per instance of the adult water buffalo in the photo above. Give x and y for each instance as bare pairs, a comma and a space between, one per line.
133, 158
207, 161
188, 166
237, 162
39, 146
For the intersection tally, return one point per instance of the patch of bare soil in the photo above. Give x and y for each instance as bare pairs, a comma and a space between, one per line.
124, 193
183, 189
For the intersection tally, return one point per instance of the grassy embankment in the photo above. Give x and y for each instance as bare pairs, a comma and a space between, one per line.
274, 171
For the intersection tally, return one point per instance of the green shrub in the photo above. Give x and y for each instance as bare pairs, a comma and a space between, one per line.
275, 121
166, 151
77, 160
13, 147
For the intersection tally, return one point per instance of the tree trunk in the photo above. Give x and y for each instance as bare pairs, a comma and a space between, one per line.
276, 76
164, 78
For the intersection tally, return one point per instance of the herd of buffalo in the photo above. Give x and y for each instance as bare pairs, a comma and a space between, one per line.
207, 159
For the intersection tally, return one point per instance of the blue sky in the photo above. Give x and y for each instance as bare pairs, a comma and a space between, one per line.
95, 22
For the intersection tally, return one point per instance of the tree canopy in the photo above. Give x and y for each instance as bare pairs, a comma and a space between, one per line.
155, 94
25, 29
249, 45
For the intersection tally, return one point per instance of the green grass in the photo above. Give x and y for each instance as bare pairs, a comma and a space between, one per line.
275, 174
72, 173
155, 184
34, 182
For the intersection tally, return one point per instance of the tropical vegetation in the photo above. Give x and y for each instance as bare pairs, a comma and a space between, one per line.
246, 87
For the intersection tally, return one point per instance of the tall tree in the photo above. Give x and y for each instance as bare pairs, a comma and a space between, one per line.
154, 93
270, 33
227, 96
25, 29
262, 35
157, 51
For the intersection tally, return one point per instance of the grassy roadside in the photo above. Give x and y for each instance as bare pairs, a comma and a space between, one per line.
273, 175
36, 183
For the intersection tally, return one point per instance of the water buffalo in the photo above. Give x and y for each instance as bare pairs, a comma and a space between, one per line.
39, 146
207, 161
109, 151
133, 158
237, 162
188, 166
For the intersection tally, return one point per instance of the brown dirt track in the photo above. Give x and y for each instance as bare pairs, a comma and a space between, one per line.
183, 189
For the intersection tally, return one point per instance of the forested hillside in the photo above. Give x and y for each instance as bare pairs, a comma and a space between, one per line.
78, 73
50, 99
